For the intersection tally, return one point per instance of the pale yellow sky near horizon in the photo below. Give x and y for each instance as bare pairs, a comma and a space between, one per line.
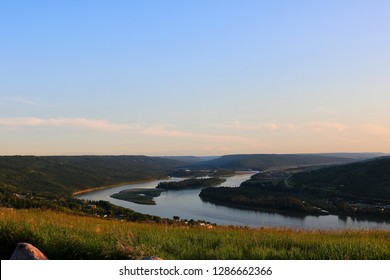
90, 136
194, 77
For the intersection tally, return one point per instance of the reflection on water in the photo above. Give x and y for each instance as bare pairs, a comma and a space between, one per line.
188, 205
297, 215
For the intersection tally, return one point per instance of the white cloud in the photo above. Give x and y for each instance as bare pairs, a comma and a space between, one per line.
161, 130
274, 126
169, 131
320, 126
376, 129
225, 138
28, 101
270, 126
62, 122
250, 127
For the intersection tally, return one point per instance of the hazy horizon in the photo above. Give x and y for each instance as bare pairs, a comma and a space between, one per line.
200, 156
199, 78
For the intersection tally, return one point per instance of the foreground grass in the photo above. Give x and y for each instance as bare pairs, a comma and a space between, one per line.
64, 236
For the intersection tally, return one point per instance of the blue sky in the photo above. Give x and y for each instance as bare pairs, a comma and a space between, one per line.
194, 77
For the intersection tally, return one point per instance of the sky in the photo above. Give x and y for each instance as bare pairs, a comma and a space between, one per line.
194, 77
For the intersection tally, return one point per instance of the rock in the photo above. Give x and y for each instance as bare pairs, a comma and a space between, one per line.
26, 251
152, 258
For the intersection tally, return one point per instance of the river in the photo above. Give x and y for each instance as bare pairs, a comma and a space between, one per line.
187, 205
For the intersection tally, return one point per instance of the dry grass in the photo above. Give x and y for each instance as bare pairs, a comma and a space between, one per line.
63, 236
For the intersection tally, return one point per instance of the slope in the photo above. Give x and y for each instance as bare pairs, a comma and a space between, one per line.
265, 161
368, 179
66, 174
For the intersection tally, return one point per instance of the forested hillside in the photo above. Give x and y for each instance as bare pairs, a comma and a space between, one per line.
368, 179
66, 174
265, 161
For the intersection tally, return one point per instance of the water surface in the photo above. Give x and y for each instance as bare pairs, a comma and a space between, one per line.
187, 205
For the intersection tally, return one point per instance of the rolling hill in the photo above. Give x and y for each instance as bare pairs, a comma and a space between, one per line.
266, 161
66, 174
190, 159
368, 179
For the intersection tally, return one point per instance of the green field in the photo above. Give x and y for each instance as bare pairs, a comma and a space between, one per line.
64, 236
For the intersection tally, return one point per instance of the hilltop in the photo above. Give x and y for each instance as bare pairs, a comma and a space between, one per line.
68, 228
266, 161
67, 174
361, 188
367, 179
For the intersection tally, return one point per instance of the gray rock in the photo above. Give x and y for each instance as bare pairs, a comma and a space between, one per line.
26, 251
151, 258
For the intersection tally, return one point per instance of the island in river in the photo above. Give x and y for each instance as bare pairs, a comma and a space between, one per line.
192, 183
146, 196
138, 195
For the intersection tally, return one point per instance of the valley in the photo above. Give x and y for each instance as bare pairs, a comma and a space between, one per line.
304, 198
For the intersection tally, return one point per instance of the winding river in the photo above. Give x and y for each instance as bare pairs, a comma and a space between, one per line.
187, 205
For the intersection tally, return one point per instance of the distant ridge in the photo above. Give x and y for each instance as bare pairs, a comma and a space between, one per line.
265, 161
190, 159
357, 156
67, 174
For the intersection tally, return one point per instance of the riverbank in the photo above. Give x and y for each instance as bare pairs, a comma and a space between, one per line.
116, 185
188, 205
150, 180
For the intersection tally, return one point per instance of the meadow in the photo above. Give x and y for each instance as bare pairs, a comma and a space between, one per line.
67, 236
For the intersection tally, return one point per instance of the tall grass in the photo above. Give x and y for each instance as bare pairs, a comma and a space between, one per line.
64, 236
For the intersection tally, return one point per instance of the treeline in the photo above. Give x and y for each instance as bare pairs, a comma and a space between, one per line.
266, 198
190, 184
67, 174
267, 161
269, 191
201, 173
72, 206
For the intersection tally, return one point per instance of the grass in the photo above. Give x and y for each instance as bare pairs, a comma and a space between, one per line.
64, 236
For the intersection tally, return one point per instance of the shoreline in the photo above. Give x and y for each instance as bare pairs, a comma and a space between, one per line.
116, 185
143, 181
302, 214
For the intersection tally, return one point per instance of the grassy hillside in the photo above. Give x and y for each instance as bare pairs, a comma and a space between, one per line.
265, 161
66, 174
368, 179
64, 236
